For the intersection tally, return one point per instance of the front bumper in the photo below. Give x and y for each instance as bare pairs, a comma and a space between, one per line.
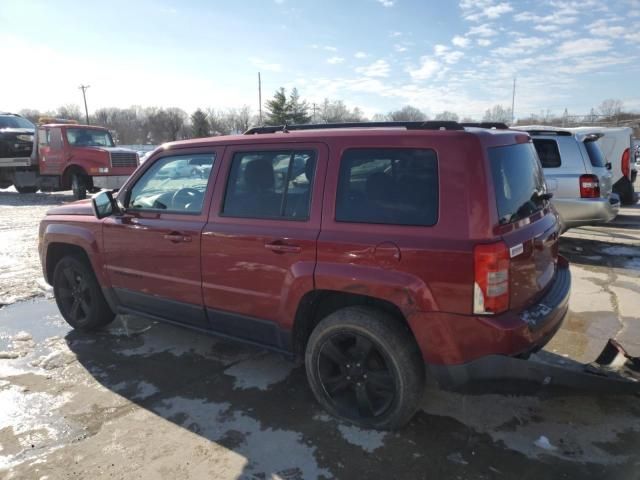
110, 182
586, 211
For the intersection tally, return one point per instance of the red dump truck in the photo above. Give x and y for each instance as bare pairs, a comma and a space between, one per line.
60, 156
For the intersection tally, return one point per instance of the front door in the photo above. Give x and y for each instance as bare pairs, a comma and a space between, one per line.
152, 251
50, 147
259, 247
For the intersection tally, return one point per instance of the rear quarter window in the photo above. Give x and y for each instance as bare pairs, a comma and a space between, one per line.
548, 152
396, 186
518, 181
595, 153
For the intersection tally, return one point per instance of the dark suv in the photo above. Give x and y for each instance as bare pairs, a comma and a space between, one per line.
383, 253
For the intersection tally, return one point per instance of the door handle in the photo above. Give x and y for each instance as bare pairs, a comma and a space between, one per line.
278, 247
177, 237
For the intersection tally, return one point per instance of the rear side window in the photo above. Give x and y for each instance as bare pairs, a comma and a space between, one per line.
270, 185
388, 186
518, 181
595, 154
548, 152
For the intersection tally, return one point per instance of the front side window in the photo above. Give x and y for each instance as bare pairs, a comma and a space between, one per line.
271, 184
89, 137
43, 137
548, 152
518, 181
55, 138
175, 184
388, 186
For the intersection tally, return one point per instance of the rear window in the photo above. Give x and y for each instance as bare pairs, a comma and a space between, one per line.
10, 121
388, 186
548, 152
595, 154
518, 181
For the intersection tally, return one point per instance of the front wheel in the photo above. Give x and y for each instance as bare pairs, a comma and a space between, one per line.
365, 367
79, 296
26, 189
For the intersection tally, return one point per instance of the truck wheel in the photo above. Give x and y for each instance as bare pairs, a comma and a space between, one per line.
79, 186
364, 366
79, 296
26, 189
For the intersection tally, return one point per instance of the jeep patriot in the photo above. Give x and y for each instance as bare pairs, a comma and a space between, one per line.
382, 253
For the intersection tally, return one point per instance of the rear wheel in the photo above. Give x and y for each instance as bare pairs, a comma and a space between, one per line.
79, 186
365, 367
26, 189
79, 296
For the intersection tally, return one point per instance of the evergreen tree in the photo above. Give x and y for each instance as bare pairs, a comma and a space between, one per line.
200, 126
299, 108
278, 109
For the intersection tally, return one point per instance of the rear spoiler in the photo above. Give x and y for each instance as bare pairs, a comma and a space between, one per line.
560, 133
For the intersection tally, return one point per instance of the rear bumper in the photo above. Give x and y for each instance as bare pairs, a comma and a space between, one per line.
110, 182
450, 339
586, 211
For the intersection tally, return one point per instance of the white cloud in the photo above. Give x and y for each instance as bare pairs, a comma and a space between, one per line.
476, 10
262, 64
484, 30
460, 41
427, 68
546, 28
360, 55
379, 68
446, 54
522, 45
562, 16
386, 3
583, 46
602, 28
484, 42
395, 34
335, 60
400, 48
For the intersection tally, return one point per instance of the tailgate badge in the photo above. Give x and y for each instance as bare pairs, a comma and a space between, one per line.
516, 250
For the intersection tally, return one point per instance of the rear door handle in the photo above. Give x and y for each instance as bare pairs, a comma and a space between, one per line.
278, 247
177, 237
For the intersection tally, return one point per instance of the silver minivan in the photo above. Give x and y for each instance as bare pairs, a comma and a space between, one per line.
577, 174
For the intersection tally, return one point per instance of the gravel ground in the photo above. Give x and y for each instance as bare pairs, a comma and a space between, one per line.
148, 400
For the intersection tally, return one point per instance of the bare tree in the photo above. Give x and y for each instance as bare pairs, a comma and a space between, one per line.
497, 113
611, 107
447, 115
407, 114
335, 111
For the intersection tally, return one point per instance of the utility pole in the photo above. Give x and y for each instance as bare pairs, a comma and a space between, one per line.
84, 96
513, 102
260, 98
314, 113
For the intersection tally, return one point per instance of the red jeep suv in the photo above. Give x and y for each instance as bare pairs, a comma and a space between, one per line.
384, 253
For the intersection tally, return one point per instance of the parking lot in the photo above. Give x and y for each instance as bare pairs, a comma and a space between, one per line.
147, 400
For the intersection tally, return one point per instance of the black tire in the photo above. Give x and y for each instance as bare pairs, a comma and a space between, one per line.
78, 295
79, 186
385, 385
26, 189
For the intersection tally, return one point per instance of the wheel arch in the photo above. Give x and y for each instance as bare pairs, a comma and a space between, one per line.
317, 304
74, 168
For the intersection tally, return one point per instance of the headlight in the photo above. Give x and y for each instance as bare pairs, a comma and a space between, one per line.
25, 138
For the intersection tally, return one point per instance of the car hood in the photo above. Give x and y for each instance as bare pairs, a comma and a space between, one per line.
108, 149
81, 207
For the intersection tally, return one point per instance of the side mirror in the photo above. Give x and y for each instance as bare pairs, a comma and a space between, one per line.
104, 205
608, 165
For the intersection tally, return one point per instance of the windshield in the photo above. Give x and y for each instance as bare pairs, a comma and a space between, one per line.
10, 121
89, 137
518, 181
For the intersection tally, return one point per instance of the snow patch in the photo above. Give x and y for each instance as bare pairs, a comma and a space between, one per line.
368, 440
260, 372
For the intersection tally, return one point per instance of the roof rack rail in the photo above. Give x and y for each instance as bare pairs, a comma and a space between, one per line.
495, 125
428, 125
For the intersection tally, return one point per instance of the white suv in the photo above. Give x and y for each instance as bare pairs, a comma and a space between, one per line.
577, 174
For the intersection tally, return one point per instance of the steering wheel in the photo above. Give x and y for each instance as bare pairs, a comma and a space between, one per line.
183, 198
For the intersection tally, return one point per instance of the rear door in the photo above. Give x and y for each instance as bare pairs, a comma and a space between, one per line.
526, 221
259, 245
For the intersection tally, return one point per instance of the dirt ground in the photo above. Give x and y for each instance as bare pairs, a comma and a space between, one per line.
153, 401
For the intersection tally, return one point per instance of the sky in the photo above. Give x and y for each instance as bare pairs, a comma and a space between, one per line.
379, 55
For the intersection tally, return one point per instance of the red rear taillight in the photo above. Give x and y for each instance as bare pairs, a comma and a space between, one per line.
589, 186
491, 286
626, 163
